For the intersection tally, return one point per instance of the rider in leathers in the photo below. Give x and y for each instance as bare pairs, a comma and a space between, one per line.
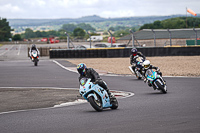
134, 55
93, 75
147, 66
33, 47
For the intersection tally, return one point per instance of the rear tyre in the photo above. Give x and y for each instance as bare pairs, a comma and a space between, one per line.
96, 104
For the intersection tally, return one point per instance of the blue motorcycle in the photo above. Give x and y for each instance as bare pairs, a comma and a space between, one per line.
96, 95
156, 81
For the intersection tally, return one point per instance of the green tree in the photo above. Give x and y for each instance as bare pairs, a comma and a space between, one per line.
38, 34
79, 33
29, 33
157, 24
17, 37
44, 34
121, 33
112, 29
5, 30
69, 27
173, 23
86, 27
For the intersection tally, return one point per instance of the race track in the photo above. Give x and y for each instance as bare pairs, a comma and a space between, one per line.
145, 112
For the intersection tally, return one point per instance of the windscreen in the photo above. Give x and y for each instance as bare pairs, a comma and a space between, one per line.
83, 81
149, 72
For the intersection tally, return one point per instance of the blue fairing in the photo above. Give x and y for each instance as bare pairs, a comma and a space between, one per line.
88, 89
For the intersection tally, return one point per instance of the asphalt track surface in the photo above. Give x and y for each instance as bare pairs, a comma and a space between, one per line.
148, 111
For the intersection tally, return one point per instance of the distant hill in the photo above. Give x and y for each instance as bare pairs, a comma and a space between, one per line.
95, 21
94, 18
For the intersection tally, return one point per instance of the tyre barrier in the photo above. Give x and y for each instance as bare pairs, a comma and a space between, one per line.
124, 52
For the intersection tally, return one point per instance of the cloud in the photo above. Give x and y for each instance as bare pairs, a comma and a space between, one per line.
10, 9
103, 8
118, 13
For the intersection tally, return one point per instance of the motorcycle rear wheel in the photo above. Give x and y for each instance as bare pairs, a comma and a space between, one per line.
96, 104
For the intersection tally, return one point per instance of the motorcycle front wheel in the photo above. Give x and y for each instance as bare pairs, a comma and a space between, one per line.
114, 104
163, 88
138, 75
35, 62
96, 104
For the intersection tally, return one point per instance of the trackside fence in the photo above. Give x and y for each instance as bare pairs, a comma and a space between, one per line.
124, 52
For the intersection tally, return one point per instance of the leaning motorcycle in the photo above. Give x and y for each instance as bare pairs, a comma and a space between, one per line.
156, 80
35, 57
96, 95
138, 68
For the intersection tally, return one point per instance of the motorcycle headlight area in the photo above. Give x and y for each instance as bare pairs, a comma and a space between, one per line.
83, 81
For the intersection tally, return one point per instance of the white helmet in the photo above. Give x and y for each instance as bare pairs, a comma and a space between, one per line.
146, 64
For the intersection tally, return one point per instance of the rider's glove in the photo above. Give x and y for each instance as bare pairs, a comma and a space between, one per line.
158, 69
97, 81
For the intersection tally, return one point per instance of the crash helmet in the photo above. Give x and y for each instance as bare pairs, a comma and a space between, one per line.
134, 51
81, 68
146, 64
33, 46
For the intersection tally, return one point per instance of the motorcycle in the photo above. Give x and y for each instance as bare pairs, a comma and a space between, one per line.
96, 95
156, 80
138, 68
35, 57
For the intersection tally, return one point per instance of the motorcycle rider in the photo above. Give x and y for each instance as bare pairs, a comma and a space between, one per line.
33, 47
146, 66
94, 76
134, 55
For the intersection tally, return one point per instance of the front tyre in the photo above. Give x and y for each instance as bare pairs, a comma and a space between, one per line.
137, 73
114, 104
163, 88
96, 104
138, 77
35, 62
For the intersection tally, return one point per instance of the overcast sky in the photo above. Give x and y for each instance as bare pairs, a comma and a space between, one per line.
102, 8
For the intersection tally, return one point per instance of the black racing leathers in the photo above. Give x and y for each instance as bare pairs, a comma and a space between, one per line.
133, 58
94, 76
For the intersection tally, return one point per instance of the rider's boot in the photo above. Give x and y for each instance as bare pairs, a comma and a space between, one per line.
111, 96
149, 84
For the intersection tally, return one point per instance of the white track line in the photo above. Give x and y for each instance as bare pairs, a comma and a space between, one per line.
64, 67
19, 49
76, 102
6, 51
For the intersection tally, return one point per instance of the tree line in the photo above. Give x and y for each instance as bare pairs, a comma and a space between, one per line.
5, 30
79, 30
72, 29
174, 23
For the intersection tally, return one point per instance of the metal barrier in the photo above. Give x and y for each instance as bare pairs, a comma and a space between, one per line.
124, 52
